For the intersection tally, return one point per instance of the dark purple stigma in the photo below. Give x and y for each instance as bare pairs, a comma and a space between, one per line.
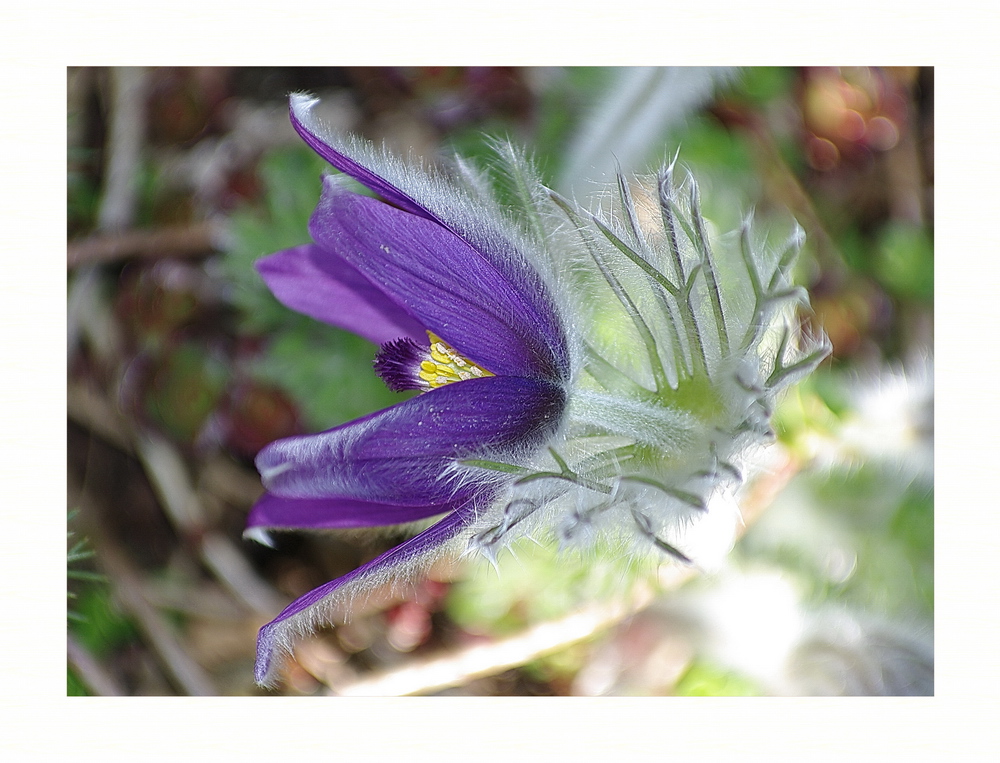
398, 364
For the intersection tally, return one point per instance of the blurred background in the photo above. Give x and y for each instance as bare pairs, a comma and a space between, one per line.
181, 366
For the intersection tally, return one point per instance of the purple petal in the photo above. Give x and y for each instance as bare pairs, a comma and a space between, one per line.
448, 285
307, 611
312, 132
273, 512
323, 286
405, 455
441, 203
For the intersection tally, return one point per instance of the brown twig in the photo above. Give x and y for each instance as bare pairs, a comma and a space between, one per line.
179, 499
123, 147
90, 671
227, 480
233, 570
95, 412
905, 184
459, 667
191, 240
169, 476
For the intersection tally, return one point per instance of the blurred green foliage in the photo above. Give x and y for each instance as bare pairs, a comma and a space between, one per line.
711, 148
102, 628
703, 679
858, 535
508, 599
291, 188
328, 372
185, 390
905, 261
74, 686
762, 85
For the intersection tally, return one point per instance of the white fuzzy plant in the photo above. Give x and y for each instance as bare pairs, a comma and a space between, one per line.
682, 343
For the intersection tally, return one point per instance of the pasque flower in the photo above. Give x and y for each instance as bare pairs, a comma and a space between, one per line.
579, 374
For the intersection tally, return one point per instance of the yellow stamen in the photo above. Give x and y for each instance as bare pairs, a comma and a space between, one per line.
446, 366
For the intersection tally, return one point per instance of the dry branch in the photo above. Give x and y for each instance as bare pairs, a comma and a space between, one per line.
194, 240
90, 671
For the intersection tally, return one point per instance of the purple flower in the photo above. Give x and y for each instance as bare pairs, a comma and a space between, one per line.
586, 377
460, 314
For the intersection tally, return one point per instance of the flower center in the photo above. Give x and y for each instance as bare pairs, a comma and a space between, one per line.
446, 365
403, 364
